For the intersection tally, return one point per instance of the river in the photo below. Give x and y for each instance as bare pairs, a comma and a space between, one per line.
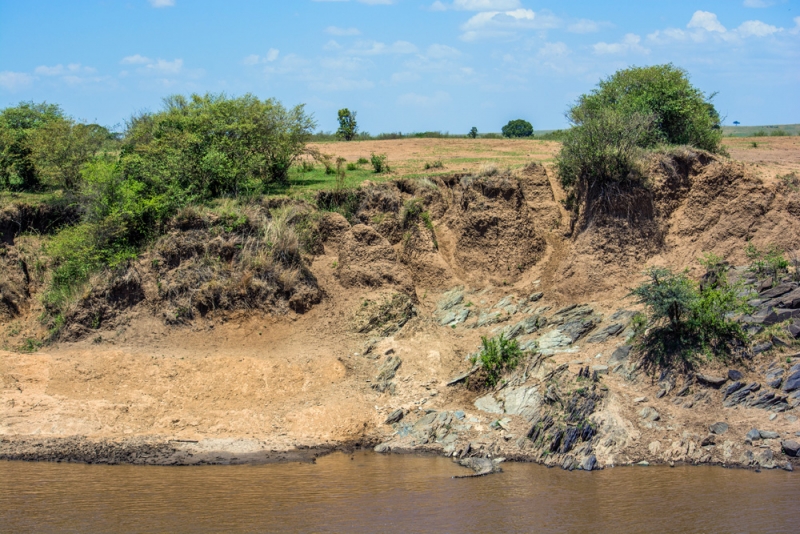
367, 492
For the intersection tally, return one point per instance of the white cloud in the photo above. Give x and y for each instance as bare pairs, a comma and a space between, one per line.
506, 23
440, 51
477, 5
705, 25
341, 32
796, 29
60, 70
758, 3
252, 59
405, 77
373, 48
341, 84
344, 63
14, 80
332, 45
135, 59
272, 54
162, 66
424, 101
584, 26
630, 43
162, 3
756, 28
706, 21
553, 50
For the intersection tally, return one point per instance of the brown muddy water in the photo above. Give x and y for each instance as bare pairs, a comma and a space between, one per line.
366, 492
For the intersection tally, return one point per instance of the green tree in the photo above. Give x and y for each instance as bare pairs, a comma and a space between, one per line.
473, 133
17, 127
60, 149
682, 114
517, 128
348, 129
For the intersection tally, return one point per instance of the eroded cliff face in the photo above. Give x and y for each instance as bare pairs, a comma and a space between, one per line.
367, 339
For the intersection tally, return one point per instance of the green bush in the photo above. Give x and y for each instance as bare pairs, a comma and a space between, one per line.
352, 167
362, 161
682, 114
348, 129
434, 165
684, 318
473, 133
517, 128
497, 355
380, 163
767, 262
602, 155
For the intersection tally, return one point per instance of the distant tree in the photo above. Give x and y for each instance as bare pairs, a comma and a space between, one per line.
18, 125
518, 128
682, 114
473, 133
736, 123
348, 129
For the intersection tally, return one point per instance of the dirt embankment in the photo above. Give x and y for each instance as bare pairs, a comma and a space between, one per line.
200, 353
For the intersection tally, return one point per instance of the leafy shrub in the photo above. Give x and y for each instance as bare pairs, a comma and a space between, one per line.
600, 156
362, 161
380, 163
778, 133
352, 167
760, 133
681, 113
517, 128
684, 318
497, 355
767, 262
473, 133
348, 129
434, 165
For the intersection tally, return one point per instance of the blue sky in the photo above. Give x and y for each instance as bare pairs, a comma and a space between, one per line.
403, 65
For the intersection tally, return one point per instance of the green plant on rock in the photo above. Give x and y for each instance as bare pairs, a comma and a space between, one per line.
770, 261
496, 356
684, 318
380, 163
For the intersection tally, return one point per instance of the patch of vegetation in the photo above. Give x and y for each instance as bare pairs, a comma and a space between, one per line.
348, 128
767, 262
684, 318
434, 165
496, 356
380, 163
790, 180
517, 128
473, 133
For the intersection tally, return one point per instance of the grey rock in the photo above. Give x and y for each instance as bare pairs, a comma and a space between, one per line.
382, 448
711, 380
536, 297
765, 459
754, 435
488, 404
733, 374
395, 416
794, 330
768, 434
619, 355
718, 428
732, 388
777, 291
649, 414
458, 414
577, 329
762, 347
589, 463
769, 401
522, 401
600, 369
774, 378
504, 303
791, 448
605, 333
486, 319
765, 284
452, 298
793, 380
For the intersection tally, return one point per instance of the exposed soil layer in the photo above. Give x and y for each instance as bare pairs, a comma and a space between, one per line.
366, 339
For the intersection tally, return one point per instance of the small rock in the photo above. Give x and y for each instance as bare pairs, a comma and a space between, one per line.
619, 355
768, 434
395, 416
765, 458
661, 393
734, 375
382, 447
711, 380
791, 448
773, 416
637, 400
709, 440
718, 428
644, 463
650, 414
600, 369
589, 463
754, 435
535, 297
762, 347
774, 378
793, 380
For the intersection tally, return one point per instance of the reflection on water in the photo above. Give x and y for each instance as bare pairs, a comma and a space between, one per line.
367, 492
